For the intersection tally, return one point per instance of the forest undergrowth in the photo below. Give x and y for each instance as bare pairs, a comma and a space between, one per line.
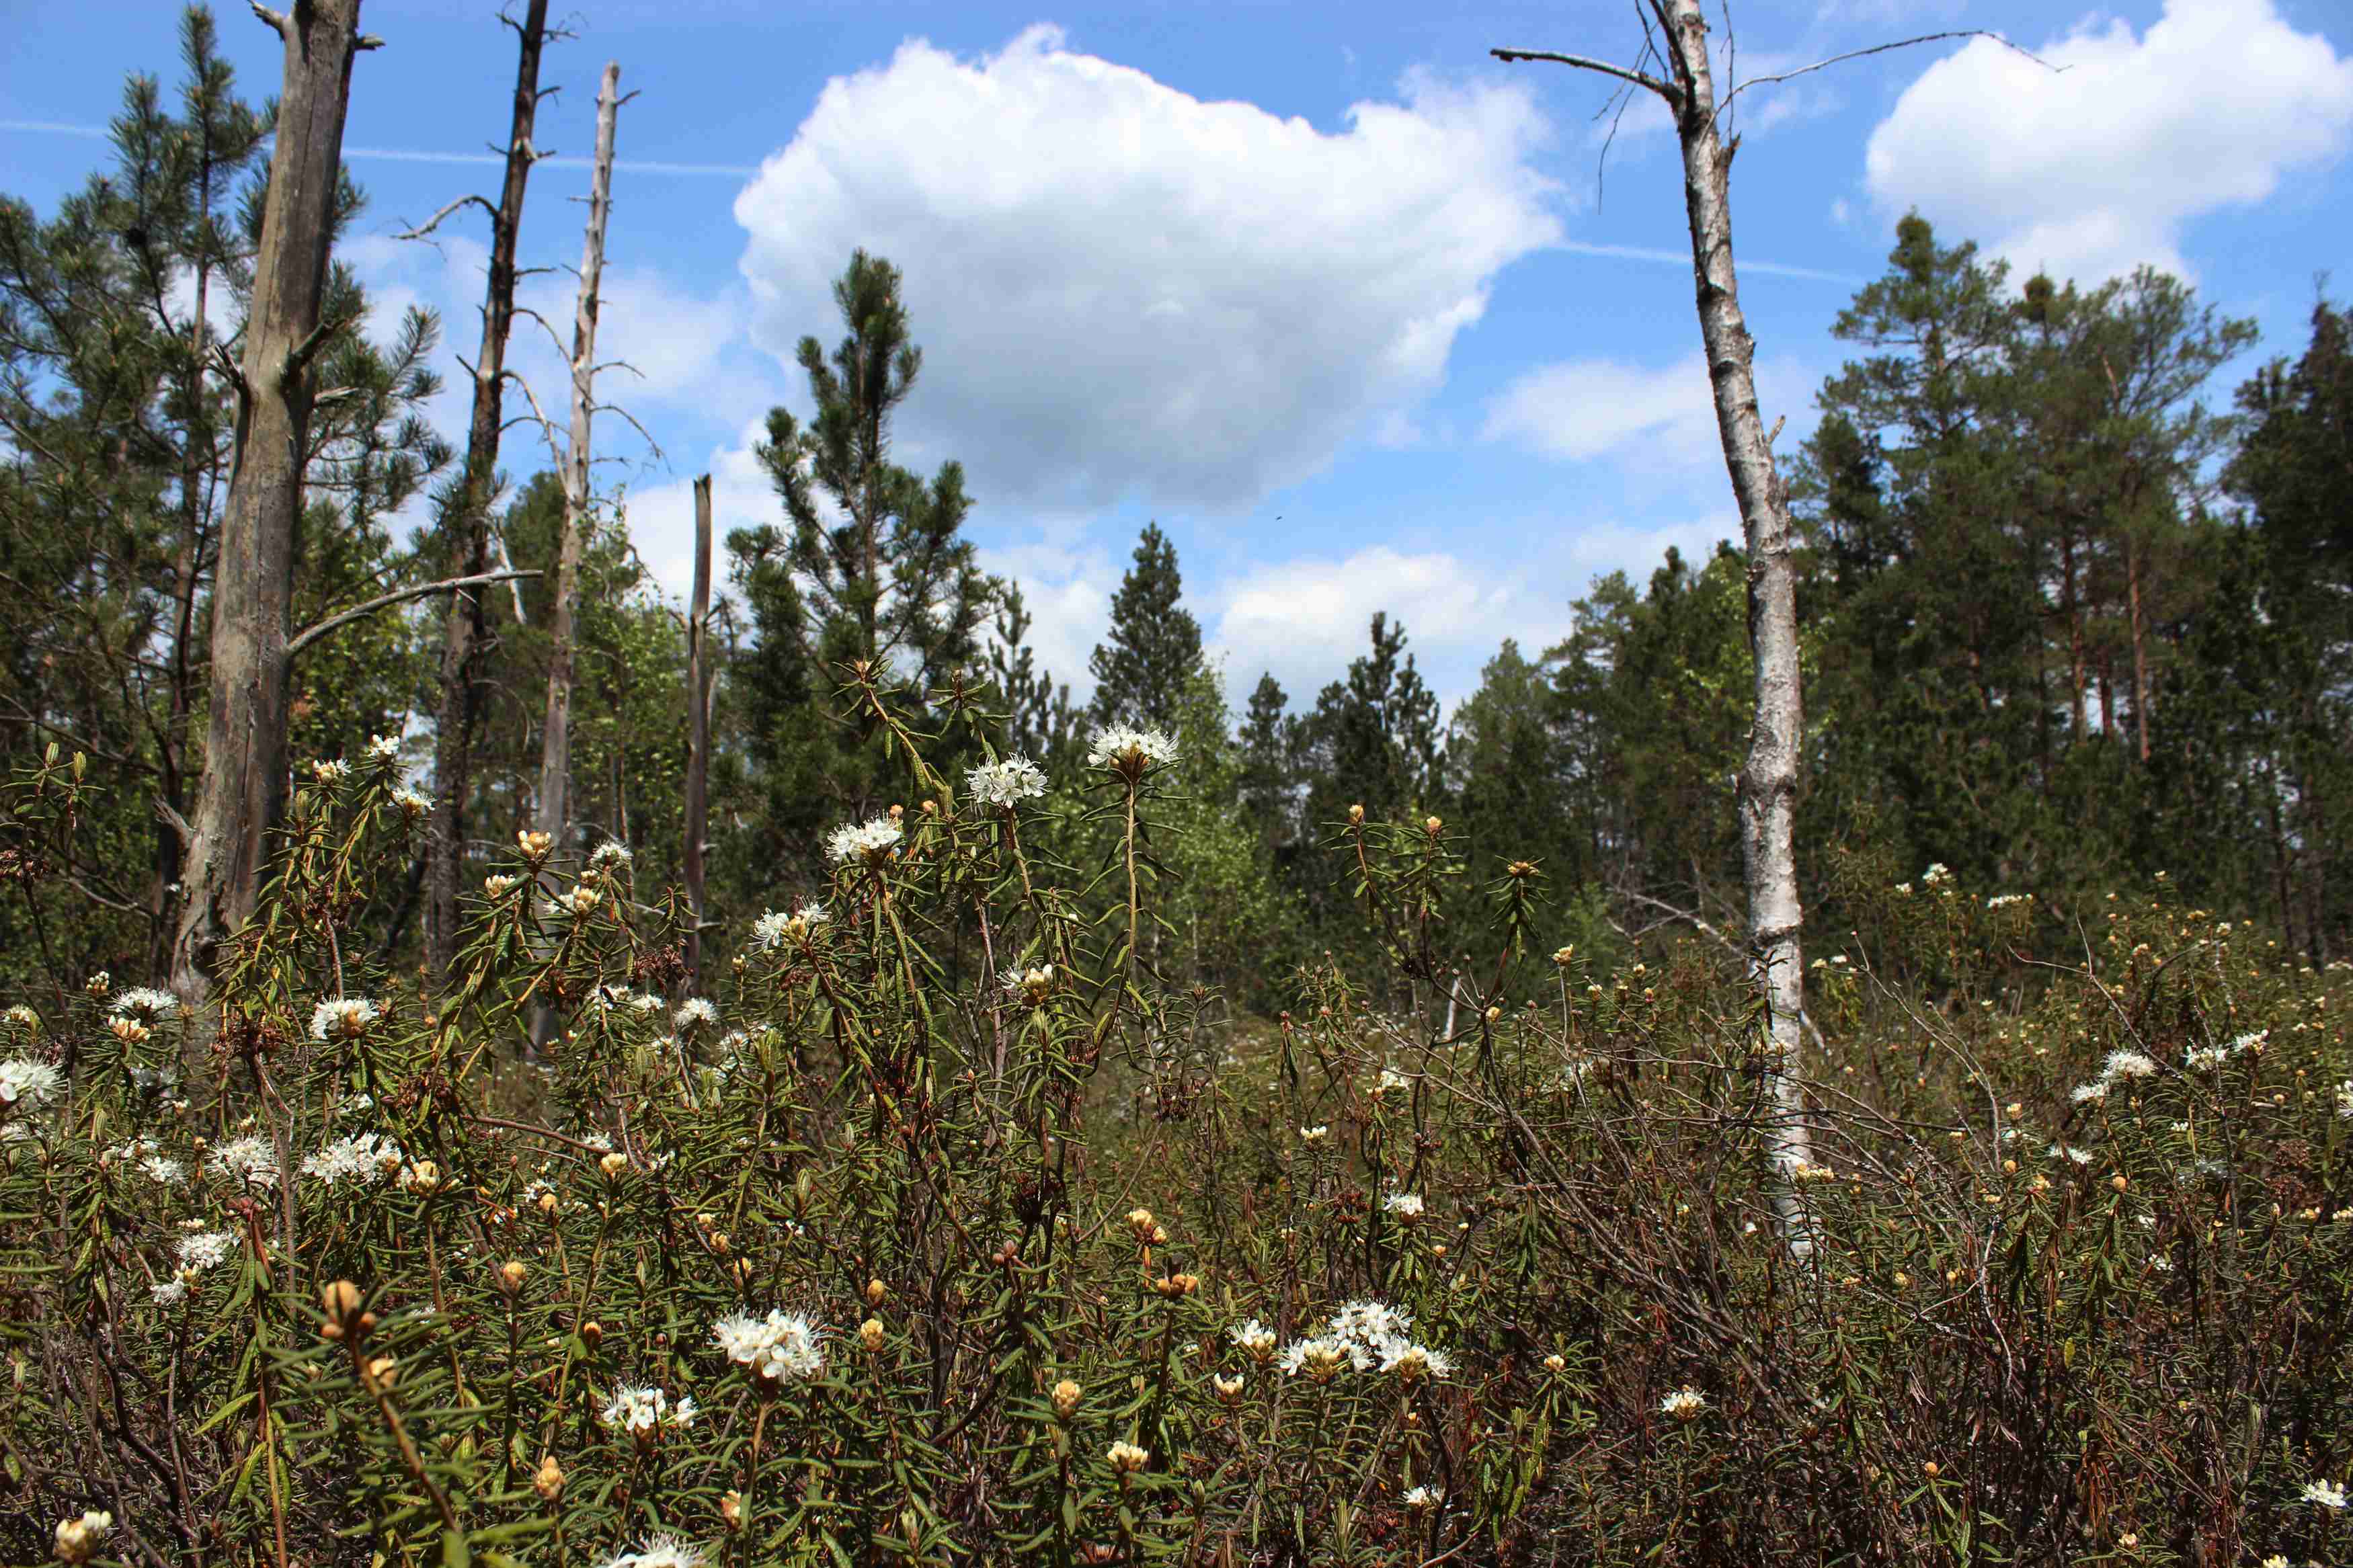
931, 1227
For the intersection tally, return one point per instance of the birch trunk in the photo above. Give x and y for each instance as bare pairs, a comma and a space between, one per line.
244, 783
1769, 778
698, 754
470, 524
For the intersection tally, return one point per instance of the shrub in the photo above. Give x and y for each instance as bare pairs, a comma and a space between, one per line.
936, 1230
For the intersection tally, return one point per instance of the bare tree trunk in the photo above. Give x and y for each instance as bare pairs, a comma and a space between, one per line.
555, 804
470, 522
555, 738
2143, 697
244, 784
698, 754
1769, 778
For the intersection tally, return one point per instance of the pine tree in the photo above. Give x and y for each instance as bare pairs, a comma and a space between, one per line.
1154, 648
1270, 767
886, 581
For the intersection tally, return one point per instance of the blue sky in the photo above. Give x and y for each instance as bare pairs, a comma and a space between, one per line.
1323, 289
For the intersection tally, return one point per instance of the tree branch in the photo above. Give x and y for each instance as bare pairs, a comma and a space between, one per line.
384, 601
1665, 90
276, 19
1881, 49
429, 225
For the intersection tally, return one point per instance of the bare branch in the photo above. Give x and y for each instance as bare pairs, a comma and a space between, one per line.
429, 225
384, 601
367, 41
1665, 90
276, 19
1881, 49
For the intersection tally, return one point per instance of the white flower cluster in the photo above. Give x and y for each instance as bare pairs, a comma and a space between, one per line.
695, 1011
412, 802
28, 1085
146, 1003
1362, 1335
868, 840
781, 1347
206, 1249
1256, 1340
1936, 874
383, 749
1408, 1206
148, 1155
1005, 783
659, 1552
641, 1412
362, 1159
250, 1161
1683, 1405
2004, 900
1124, 745
2121, 1067
342, 1018
775, 928
610, 855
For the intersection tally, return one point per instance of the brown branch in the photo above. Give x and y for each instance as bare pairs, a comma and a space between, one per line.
1664, 89
429, 225
384, 601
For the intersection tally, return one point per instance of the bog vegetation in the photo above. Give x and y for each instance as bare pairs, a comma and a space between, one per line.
936, 1228
787, 1084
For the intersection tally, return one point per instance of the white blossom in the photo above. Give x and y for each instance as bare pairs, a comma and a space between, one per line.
868, 841
362, 1159
206, 1249
1005, 783
146, 1002
693, 1011
29, 1085
640, 1411
250, 1161
1123, 744
342, 1018
1683, 1405
778, 1347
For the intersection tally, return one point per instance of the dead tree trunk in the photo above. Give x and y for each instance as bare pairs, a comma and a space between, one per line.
244, 784
555, 803
555, 737
698, 753
1769, 778
469, 519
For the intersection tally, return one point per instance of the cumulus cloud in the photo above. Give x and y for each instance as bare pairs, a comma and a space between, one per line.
1578, 410
2093, 169
1122, 290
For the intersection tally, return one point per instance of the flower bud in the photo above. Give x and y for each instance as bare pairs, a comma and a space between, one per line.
77, 1540
1067, 1396
548, 1481
731, 1510
613, 1164
1431, 825
876, 1292
869, 1334
511, 1275
1126, 1458
1355, 813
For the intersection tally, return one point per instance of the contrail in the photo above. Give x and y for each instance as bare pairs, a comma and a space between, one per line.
1682, 258
403, 155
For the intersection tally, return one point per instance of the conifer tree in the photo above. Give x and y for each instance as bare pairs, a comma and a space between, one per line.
1153, 651
886, 579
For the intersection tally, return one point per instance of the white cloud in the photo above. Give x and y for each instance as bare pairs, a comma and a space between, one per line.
1305, 618
2095, 168
661, 516
1578, 410
1122, 290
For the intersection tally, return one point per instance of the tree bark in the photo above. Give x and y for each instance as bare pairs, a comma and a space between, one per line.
470, 522
555, 735
1768, 777
2143, 698
698, 753
244, 784
553, 809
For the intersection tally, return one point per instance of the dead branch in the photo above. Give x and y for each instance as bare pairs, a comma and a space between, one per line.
384, 601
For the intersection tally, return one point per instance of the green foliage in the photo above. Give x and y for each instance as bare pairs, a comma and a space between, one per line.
1144, 670
944, 1231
